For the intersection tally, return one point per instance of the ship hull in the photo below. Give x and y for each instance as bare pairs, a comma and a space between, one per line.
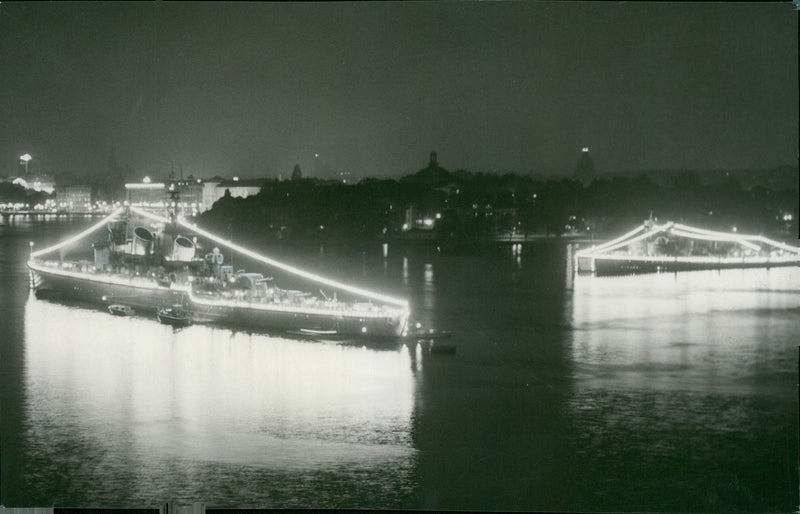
142, 299
146, 296
628, 266
245, 315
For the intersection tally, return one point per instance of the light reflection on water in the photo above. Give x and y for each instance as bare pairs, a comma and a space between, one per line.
662, 392
685, 389
144, 394
701, 329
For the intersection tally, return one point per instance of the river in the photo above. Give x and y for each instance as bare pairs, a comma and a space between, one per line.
663, 392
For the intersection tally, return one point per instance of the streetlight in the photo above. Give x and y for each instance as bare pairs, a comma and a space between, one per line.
26, 159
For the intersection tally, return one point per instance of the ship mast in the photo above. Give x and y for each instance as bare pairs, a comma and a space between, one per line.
174, 205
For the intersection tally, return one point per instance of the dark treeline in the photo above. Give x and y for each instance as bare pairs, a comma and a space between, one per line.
465, 206
16, 194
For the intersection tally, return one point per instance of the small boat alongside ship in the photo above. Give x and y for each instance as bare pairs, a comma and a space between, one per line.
117, 309
150, 263
669, 247
174, 316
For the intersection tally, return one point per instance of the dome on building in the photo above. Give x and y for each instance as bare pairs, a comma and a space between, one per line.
433, 174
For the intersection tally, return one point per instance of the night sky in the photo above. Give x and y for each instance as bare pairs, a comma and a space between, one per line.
251, 89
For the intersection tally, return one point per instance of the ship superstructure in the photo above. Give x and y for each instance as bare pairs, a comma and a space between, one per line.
156, 263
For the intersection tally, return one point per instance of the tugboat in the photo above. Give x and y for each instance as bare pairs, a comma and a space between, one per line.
147, 261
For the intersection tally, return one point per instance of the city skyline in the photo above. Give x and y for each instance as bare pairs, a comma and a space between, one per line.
372, 88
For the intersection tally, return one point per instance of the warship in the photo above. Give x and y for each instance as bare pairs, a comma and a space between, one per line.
152, 263
671, 246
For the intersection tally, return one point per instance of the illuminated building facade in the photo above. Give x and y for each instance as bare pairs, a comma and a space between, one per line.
190, 196
147, 195
74, 199
215, 189
194, 195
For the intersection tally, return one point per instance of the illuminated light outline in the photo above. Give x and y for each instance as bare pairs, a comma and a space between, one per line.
144, 283
291, 269
346, 311
684, 231
777, 244
609, 243
156, 185
711, 232
138, 282
708, 237
702, 259
78, 236
655, 230
274, 307
761, 239
680, 230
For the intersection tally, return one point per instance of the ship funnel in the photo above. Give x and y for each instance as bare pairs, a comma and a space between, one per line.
142, 241
182, 249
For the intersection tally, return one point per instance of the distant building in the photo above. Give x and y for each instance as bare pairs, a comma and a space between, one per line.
74, 199
194, 196
190, 195
296, 173
433, 175
584, 171
210, 192
344, 177
215, 189
422, 220
424, 212
147, 195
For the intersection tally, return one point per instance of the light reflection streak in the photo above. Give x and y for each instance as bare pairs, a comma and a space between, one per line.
428, 290
210, 394
603, 299
428, 274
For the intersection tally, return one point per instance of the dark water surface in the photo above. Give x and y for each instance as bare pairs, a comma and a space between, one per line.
669, 392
